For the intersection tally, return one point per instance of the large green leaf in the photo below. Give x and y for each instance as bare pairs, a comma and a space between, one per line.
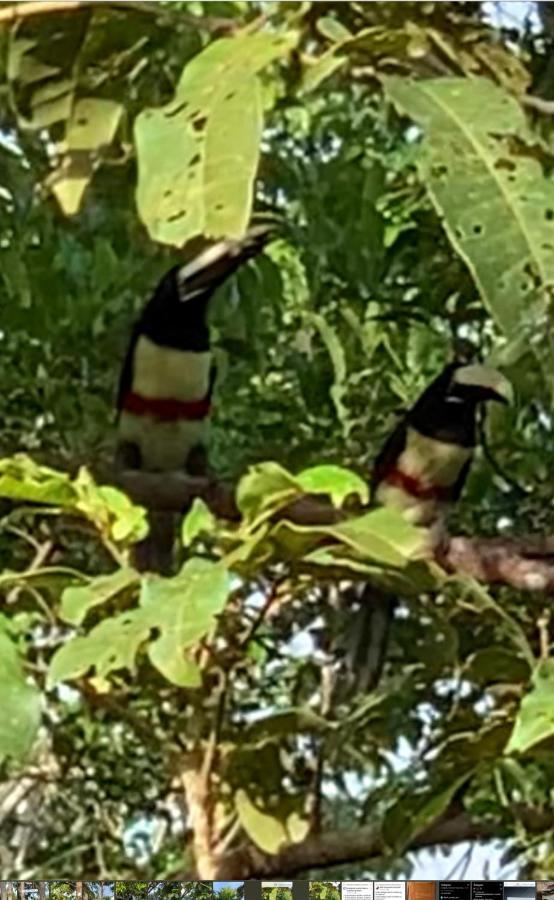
535, 720
19, 702
197, 156
478, 163
182, 610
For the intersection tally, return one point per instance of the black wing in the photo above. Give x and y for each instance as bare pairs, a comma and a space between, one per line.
126, 376
387, 457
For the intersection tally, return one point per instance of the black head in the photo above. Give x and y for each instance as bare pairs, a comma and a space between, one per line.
446, 409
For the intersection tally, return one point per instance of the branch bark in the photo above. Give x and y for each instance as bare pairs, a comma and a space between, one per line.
334, 848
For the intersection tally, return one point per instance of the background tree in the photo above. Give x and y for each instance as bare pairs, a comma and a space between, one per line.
408, 150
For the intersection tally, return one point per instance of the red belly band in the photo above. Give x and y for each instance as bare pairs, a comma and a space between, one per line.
415, 488
166, 409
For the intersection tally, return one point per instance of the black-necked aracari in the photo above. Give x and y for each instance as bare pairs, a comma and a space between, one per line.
167, 379
421, 470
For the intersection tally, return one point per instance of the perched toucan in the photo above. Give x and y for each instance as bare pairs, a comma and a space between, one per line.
421, 470
167, 379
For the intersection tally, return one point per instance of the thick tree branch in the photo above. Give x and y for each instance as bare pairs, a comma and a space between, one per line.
335, 848
15, 12
525, 563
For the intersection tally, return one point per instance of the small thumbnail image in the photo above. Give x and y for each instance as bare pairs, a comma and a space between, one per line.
228, 890
454, 890
148, 890
422, 890
276, 890
199, 890
64, 890
357, 890
545, 890
487, 890
324, 890
520, 890
98, 890
389, 890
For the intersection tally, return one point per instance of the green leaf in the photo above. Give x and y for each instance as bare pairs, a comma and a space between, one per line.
198, 520
22, 479
197, 156
265, 831
264, 489
111, 645
535, 720
339, 483
399, 827
489, 188
91, 126
78, 601
110, 510
495, 664
475, 596
20, 702
183, 611
336, 352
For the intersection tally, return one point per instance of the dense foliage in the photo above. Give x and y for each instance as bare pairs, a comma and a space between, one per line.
407, 150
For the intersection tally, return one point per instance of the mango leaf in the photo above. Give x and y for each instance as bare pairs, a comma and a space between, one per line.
535, 720
198, 520
495, 664
197, 156
478, 163
399, 827
78, 601
335, 349
182, 610
339, 483
91, 126
20, 702
474, 595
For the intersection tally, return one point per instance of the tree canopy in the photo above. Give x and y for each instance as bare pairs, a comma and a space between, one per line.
406, 151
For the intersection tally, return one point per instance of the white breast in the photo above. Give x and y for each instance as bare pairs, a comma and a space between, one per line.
163, 446
163, 372
432, 462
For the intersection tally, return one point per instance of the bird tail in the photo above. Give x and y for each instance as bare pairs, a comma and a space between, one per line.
213, 265
369, 639
155, 552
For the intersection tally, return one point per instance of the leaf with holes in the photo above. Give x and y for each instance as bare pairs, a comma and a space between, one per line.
182, 610
198, 155
479, 164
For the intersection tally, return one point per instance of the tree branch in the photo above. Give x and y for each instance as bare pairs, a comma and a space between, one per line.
335, 848
15, 12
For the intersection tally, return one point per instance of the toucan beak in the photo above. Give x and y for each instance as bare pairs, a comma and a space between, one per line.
490, 382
